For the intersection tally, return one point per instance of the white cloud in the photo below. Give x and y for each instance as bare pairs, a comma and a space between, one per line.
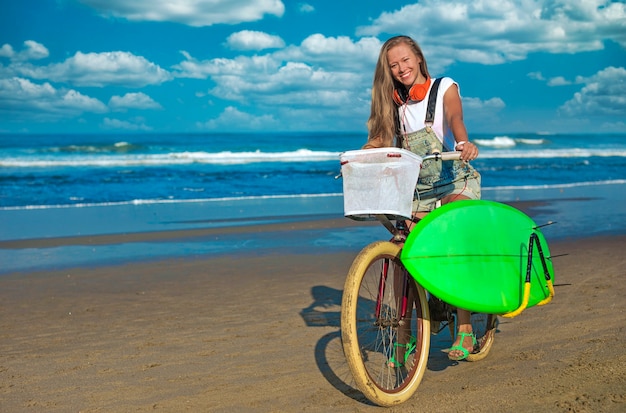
100, 69
133, 101
271, 81
241, 66
318, 44
21, 97
536, 76
326, 77
486, 110
6, 51
138, 124
233, 119
617, 126
336, 52
322, 71
558, 81
303, 86
253, 40
32, 51
497, 31
305, 8
331, 53
190, 12
554, 81
604, 94
299, 97
478, 104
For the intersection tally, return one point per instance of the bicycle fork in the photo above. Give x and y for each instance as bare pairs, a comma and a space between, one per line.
401, 281
401, 284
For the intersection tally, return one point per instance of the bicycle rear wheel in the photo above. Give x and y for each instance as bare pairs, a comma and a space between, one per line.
376, 337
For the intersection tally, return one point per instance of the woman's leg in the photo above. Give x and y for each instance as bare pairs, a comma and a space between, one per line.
463, 316
465, 341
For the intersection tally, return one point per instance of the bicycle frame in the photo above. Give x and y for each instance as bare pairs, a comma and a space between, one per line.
400, 231
381, 292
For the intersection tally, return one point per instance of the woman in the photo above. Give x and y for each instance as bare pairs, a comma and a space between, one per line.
400, 97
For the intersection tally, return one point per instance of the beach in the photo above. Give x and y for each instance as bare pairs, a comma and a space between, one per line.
257, 329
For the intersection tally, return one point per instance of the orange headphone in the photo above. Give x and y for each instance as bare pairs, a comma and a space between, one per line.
416, 93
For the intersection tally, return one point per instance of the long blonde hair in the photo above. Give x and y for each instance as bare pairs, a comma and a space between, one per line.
383, 124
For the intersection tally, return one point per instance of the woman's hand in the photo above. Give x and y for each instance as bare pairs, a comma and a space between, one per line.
469, 151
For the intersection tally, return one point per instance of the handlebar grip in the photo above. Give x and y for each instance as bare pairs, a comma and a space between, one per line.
451, 156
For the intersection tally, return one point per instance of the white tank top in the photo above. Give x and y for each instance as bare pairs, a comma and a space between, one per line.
413, 114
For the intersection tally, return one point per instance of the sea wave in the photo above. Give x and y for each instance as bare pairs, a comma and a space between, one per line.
118, 147
527, 141
174, 158
239, 158
293, 196
556, 186
552, 153
165, 201
508, 142
497, 142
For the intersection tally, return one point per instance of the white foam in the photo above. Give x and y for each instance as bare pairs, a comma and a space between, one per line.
300, 155
497, 142
166, 201
173, 158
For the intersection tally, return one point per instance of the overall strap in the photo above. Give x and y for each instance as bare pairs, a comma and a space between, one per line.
397, 139
432, 103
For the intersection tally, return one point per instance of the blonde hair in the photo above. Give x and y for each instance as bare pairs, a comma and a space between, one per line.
383, 124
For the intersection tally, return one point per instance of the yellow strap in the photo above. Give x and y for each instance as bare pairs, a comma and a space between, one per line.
526, 297
550, 295
524, 304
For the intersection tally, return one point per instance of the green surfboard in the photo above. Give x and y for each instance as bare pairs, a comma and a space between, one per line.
474, 255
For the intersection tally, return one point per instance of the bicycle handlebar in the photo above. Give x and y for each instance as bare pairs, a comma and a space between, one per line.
445, 156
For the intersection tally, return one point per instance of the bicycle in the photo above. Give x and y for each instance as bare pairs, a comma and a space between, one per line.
386, 316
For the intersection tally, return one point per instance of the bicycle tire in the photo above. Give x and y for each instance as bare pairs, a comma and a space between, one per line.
369, 344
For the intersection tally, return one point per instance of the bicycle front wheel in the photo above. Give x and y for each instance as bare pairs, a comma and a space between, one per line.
385, 342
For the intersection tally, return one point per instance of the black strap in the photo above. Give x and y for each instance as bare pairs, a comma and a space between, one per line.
432, 103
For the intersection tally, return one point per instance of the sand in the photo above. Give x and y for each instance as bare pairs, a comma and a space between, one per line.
261, 334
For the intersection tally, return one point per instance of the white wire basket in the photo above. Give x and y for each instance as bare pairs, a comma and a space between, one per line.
379, 182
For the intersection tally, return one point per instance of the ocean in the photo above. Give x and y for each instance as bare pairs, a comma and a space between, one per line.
71, 188
46, 171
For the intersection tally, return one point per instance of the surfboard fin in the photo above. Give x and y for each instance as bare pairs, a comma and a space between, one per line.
545, 225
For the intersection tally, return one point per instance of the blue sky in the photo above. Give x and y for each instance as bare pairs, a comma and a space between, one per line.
196, 66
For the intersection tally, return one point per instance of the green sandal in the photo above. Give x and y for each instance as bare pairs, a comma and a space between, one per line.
462, 349
410, 347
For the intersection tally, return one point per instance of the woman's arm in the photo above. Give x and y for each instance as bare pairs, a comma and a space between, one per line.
453, 111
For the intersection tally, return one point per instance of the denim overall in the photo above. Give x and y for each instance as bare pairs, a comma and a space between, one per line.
438, 179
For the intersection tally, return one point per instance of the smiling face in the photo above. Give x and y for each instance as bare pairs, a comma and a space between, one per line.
405, 65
